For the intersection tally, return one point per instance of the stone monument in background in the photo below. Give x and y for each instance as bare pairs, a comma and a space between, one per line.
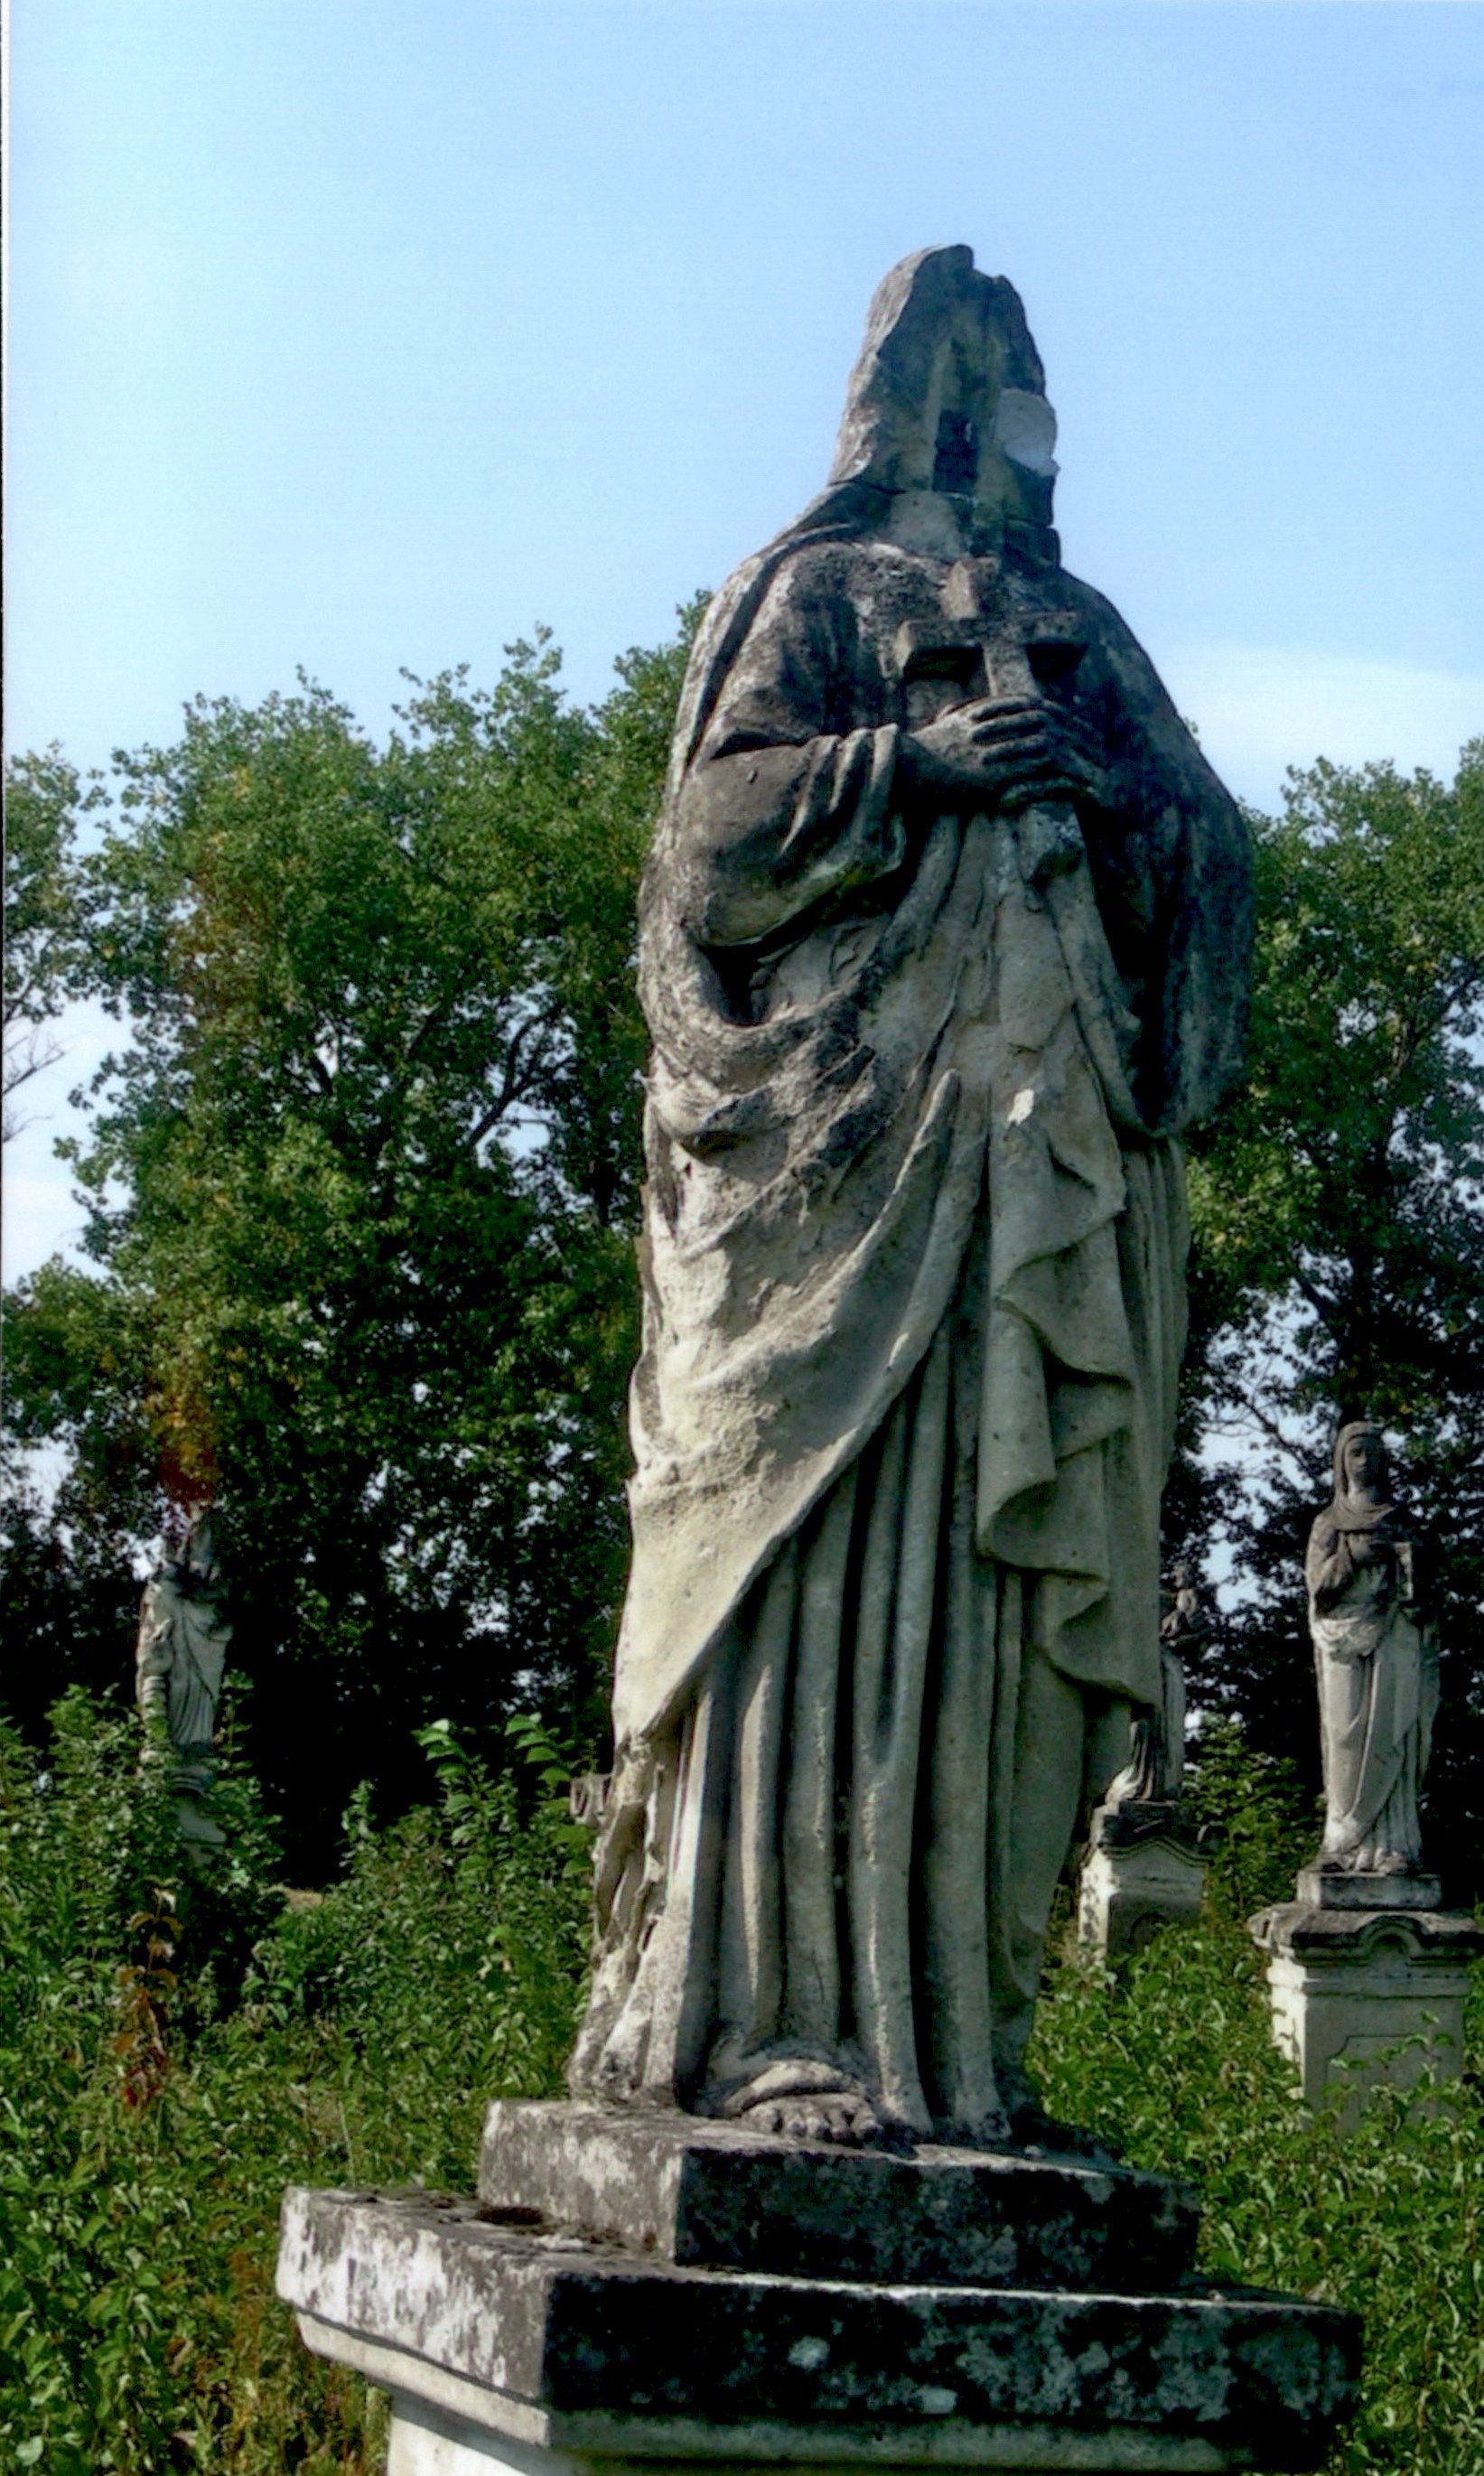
943, 942
1143, 1868
179, 1659
1367, 1973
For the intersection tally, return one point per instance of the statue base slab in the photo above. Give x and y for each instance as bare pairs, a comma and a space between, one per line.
1319, 1888
1129, 1888
1367, 1996
709, 2194
576, 2322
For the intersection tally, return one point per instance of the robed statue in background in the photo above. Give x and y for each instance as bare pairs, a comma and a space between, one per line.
945, 939
1154, 1773
1376, 1662
179, 1659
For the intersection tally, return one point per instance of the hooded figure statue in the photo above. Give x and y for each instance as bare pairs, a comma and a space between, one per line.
1375, 1664
944, 939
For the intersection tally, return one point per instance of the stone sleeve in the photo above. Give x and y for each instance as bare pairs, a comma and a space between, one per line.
791, 798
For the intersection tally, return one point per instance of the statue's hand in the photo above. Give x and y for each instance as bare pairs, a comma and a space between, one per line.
1007, 753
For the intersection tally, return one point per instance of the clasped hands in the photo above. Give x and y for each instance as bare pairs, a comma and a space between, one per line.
1007, 753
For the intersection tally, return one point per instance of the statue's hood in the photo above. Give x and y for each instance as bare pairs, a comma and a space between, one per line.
949, 394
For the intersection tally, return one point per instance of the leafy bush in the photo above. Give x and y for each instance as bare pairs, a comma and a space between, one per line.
1173, 2061
1170, 2058
155, 2098
1262, 1827
175, 2048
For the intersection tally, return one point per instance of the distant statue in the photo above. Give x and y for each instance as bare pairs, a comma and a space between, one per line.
179, 1661
1154, 1772
1376, 1667
943, 942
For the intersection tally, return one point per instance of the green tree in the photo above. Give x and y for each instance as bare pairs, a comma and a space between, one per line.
361, 1190
1339, 1219
45, 913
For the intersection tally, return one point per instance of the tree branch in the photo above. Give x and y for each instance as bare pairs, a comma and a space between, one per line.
516, 1076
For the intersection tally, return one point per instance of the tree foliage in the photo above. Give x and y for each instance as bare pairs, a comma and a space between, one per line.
46, 913
1339, 1266
360, 1189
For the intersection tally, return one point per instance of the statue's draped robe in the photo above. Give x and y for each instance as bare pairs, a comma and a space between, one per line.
180, 1661
1377, 1693
914, 1312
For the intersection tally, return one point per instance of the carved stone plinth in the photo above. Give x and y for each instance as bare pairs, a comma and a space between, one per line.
1142, 1872
1320, 1888
636, 2289
1366, 1995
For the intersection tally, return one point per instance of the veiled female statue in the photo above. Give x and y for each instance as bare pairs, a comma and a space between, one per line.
1376, 1667
944, 940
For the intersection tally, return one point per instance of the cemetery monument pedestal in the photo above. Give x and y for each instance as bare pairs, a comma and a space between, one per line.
1367, 1976
1366, 1971
943, 943
1143, 1870
631, 2288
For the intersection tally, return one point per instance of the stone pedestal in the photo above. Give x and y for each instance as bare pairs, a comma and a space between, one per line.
630, 2288
1366, 1983
1142, 1871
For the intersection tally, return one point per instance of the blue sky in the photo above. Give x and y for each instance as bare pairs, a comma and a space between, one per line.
354, 334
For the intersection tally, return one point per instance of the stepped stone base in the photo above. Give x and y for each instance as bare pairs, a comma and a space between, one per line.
624, 2293
1362, 1996
716, 2195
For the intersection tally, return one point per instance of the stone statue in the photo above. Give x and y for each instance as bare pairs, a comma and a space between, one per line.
944, 939
1156, 1769
1376, 1667
179, 1661
1367, 1972
1144, 1867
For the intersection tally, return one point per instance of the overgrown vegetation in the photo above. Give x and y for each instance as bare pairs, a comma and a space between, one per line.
1173, 2061
174, 2050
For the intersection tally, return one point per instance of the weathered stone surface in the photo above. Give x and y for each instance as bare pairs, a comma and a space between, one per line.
943, 946
576, 2347
428, 2441
724, 2196
1129, 1889
1366, 1995
1320, 1889
943, 943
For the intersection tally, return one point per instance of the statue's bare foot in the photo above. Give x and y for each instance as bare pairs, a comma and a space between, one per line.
799, 2097
844, 2118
